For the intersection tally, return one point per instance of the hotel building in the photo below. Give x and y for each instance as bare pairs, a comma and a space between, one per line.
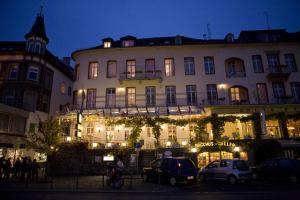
181, 77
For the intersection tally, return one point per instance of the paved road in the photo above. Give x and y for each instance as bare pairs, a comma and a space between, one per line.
150, 196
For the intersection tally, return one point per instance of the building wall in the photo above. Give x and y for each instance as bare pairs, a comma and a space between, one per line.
200, 79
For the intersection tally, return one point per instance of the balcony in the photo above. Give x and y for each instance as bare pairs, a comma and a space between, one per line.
140, 75
280, 72
235, 74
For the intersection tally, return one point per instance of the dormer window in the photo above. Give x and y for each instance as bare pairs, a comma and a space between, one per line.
229, 38
128, 43
107, 44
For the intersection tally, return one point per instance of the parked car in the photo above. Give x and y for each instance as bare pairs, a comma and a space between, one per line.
172, 170
278, 169
232, 171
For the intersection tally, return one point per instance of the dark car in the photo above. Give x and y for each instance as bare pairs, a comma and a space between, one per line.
278, 169
171, 170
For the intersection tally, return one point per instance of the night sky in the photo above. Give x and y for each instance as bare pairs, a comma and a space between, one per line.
74, 24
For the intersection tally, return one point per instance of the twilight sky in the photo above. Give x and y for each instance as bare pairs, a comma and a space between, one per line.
73, 24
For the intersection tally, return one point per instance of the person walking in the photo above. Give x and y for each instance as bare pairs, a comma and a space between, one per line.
7, 169
17, 168
23, 169
34, 170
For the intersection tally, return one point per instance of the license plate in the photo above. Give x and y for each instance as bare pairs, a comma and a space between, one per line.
190, 177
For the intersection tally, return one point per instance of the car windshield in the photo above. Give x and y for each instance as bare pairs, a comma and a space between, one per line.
240, 165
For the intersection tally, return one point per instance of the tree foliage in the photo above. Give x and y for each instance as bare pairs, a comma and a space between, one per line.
46, 140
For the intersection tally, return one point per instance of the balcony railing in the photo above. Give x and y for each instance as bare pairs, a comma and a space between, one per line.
235, 74
141, 75
278, 72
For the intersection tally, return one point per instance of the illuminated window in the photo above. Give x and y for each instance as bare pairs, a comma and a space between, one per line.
130, 68
235, 94
172, 135
93, 70
33, 74
107, 44
130, 96
90, 129
128, 43
62, 88
169, 67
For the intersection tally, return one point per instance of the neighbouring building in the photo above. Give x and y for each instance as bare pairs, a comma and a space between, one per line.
34, 84
182, 78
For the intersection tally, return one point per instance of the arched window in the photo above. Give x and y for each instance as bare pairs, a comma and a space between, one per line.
234, 68
238, 95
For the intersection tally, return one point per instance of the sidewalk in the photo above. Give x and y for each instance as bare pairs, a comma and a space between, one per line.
85, 184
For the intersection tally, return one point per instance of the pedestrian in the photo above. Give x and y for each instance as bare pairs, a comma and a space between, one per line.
34, 170
7, 169
28, 168
1, 168
23, 169
17, 168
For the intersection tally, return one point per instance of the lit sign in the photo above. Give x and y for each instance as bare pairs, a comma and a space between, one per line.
108, 158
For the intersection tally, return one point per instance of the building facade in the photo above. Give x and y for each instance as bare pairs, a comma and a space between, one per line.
34, 84
182, 77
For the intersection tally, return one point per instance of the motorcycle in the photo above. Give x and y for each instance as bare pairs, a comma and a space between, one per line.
114, 178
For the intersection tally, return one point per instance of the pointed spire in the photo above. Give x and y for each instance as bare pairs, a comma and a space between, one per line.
38, 28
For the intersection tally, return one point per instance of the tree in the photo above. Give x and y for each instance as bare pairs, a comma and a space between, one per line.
46, 140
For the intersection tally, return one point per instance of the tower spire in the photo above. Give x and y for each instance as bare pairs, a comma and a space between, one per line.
41, 10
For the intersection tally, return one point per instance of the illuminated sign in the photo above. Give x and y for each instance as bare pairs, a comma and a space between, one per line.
108, 158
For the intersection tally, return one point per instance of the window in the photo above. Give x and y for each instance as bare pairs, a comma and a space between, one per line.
91, 98
290, 62
77, 70
278, 89
130, 97
107, 44
111, 69
234, 68
171, 95
209, 65
128, 43
150, 96
191, 95
262, 93
93, 70
63, 88
295, 87
130, 68
111, 97
212, 93
189, 66
169, 67
37, 48
69, 91
9, 97
45, 104
257, 64
273, 60
48, 79
13, 73
90, 129
33, 74
235, 94
172, 135
31, 47
149, 132
30, 100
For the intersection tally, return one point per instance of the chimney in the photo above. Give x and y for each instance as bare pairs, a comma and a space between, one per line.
66, 60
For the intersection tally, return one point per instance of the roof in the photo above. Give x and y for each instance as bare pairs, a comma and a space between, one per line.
247, 36
38, 29
20, 47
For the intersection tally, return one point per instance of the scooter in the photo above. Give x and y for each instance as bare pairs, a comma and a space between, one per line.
114, 178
